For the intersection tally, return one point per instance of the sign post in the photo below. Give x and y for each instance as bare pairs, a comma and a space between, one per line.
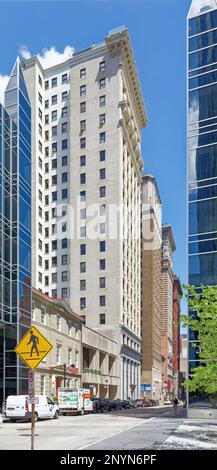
32, 349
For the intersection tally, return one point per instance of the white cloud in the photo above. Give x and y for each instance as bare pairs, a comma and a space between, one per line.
3, 83
24, 52
49, 57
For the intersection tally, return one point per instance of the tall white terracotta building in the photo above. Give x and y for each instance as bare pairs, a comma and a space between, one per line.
87, 116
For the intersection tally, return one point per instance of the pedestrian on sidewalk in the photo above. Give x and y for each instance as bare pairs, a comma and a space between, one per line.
175, 405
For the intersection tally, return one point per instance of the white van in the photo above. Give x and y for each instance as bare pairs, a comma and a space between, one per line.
17, 407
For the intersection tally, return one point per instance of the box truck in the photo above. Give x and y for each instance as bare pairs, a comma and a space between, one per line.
74, 400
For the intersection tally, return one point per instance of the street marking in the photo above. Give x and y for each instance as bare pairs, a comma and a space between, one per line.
115, 434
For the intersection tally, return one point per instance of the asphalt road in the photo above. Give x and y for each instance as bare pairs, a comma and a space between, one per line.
126, 429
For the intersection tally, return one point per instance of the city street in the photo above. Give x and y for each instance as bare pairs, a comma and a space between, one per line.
125, 429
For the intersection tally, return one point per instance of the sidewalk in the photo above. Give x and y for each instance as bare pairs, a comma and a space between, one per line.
192, 435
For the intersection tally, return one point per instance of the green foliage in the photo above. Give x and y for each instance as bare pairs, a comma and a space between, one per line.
202, 319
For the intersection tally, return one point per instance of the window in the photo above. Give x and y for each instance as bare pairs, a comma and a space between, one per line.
46, 119
40, 113
40, 80
83, 125
64, 144
54, 293
102, 282
101, 119
82, 73
39, 277
54, 82
58, 318
64, 193
54, 196
102, 319
54, 244
64, 293
54, 180
64, 227
46, 104
102, 300
64, 177
46, 262
54, 147
102, 83
102, 66
64, 127
102, 264
102, 210
40, 146
64, 276
102, 101
65, 111
65, 160
83, 249
40, 261
102, 246
40, 244
69, 356
54, 115
46, 167
82, 178
102, 137
54, 277
54, 163
64, 95
43, 315
54, 131
82, 302
82, 214
64, 242
64, 78
82, 90
83, 143
83, 107
102, 228
64, 260
82, 196
102, 155
58, 354
82, 160
40, 162
83, 284
54, 261
46, 250
54, 99
83, 267
46, 200
82, 232
102, 173
46, 84
42, 384
102, 191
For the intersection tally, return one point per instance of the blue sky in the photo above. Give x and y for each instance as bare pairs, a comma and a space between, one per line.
157, 29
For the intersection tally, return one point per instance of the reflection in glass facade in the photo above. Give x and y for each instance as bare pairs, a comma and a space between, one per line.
15, 231
202, 154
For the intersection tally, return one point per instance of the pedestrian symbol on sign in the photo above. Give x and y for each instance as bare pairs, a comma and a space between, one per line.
34, 340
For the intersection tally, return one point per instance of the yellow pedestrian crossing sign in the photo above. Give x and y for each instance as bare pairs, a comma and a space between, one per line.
33, 347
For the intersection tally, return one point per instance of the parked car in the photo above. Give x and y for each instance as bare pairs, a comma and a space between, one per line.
116, 404
167, 402
139, 403
101, 404
125, 404
17, 408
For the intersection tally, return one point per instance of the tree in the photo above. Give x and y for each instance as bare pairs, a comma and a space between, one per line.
202, 319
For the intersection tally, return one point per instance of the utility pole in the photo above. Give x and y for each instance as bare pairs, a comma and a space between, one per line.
64, 374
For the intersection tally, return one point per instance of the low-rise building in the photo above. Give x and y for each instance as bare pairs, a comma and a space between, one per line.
81, 357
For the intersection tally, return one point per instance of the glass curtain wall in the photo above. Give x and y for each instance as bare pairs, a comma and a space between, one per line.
15, 232
202, 160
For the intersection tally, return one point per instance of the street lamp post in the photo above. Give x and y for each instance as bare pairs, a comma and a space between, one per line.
64, 374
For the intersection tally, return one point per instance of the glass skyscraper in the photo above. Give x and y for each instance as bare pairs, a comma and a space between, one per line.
202, 153
15, 231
